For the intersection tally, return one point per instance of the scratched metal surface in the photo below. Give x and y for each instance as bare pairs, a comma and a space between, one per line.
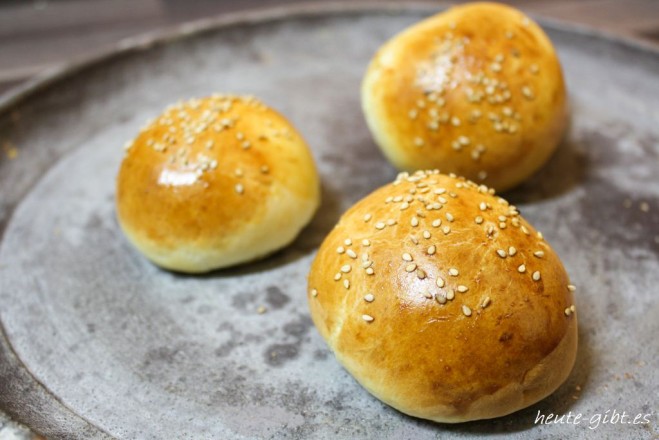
99, 343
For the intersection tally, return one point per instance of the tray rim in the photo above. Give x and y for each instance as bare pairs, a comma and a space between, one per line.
148, 40
48, 78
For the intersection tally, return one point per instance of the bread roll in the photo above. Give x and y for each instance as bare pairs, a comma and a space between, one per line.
476, 90
443, 302
214, 182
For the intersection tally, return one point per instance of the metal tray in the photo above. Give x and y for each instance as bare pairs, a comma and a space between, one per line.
96, 342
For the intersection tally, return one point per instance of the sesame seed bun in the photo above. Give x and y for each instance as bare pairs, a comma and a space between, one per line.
443, 302
476, 90
215, 182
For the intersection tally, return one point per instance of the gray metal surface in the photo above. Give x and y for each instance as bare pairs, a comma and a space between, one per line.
98, 342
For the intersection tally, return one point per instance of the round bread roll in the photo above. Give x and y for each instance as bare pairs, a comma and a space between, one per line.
476, 90
443, 302
214, 182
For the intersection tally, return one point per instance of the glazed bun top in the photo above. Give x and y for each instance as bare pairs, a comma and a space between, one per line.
214, 182
476, 90
443, 301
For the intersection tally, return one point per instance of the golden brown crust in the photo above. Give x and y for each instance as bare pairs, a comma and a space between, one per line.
201, 179
476, 90
421, 353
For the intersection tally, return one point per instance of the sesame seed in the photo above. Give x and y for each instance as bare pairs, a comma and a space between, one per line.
404, 206
440, 191
573, 308
536, 276
449, 217
478, 220
265, 169
436, 223
351, 254
568, 312
571, 287
540, 236
440, 282
418, 142
407, 257
367, 217
482, 206
367, 318
440, 298
337, 276
347, 242
421, 274
314, 293
527, 92
369, 297
380, 225
431, 250
466, 310
410, 267
239, 188
512, 251
502, 253
455, 121
370, 271
391, 222
486, 302
453, 272
426, 234
524, 230
539, 254
427, 294
450, 294
340, 250
414, 222
366, 242
521, 268
446, 230
346, 284
462, 289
